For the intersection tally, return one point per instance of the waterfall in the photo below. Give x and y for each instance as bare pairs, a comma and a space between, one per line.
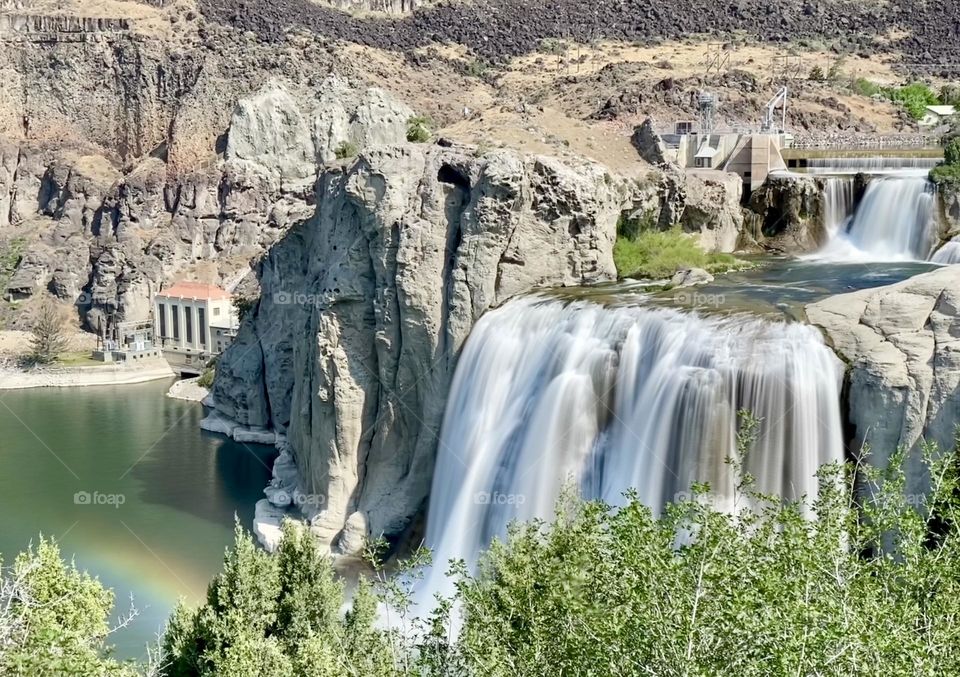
869, 165
548, 393
894, 221
838, 198
948, 254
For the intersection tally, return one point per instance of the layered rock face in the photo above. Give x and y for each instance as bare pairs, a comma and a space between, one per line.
365, 307
106, 240
902, 345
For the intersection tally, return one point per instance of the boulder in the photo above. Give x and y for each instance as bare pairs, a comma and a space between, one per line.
691, 277
649, 144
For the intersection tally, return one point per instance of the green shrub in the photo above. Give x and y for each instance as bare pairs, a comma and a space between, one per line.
946, 175
864, 87
346, 149
764, 591
278, 615
951, 152
206, 378
914, 98
816, 74
243, 305
418, 129
658, 254
477, 68
948, 172
54, 618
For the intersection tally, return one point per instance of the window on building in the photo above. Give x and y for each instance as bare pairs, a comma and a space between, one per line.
188, 323
216, 311
162, 310
202, 325
175, 316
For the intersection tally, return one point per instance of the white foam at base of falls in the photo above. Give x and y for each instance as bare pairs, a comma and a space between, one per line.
547, 393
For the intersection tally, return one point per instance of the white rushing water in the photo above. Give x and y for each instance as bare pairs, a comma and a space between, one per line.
548, 393
869, 165
895, 220
948, 254
838, 199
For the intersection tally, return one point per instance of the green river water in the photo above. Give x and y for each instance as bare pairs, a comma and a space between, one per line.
130, 487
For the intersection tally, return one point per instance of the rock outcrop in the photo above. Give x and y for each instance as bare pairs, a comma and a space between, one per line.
788, 211
902, 347
106, 240
703, 202
364, 308
711, 209
949, 194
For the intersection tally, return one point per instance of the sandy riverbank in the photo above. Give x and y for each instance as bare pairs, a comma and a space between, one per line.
12, 378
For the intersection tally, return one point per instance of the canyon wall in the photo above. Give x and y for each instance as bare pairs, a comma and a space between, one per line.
365, 307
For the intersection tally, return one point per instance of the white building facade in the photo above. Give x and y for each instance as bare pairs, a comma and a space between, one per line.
192, 318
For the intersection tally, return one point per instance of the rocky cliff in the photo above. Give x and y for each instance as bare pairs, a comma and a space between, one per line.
902, 347
105, 236
365, 306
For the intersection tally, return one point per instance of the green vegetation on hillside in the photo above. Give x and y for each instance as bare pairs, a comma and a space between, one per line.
641, 251
914, 98
346, 150
418, 129
10, 255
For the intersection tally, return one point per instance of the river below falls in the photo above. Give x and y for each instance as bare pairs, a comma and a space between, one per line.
125, 481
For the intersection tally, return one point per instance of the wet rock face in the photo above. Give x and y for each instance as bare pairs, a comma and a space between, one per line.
904, 368
364, 309
788, 209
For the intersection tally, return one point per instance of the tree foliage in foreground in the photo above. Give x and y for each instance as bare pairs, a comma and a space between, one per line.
842, 586
869, 588
53, 619
277, 616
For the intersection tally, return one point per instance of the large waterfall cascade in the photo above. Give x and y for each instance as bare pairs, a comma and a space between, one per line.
549, 393
894, 221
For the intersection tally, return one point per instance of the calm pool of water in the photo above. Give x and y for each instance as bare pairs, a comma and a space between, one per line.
130, 487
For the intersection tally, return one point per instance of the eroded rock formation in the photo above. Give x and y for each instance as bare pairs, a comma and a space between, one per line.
902, 347
365, 306
787, 213
106, 239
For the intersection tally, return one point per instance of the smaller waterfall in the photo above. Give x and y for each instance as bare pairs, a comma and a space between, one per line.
838, 200
895, 221
949, 253
547, 393
869, 165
